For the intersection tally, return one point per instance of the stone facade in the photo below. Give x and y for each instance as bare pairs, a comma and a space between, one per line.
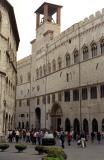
9, 40
67, 84
23, 92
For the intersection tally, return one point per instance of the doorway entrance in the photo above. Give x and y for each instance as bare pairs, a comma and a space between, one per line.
94, 125
37, 119
56, 117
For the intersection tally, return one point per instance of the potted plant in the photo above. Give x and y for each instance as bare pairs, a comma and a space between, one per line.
20, 147
3, 147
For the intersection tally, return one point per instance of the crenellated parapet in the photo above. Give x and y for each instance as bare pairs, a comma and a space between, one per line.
81, 27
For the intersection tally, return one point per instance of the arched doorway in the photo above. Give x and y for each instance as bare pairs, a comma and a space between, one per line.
67, 124
94, 125
76, 126
103, 125
85, 126
37, 120
23, 125
56, 116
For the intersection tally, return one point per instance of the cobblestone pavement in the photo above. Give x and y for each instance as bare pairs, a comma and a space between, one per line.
91, 152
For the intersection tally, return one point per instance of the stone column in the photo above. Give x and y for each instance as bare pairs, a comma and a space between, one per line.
45, 12
37, 20
58, 16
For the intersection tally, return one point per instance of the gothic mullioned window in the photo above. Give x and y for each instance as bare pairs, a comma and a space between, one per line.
76, 56
54, 65
67, 59
102, 45
85, 53
59, 63
94, 49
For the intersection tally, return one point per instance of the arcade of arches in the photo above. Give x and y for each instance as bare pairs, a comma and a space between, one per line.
7, 122
57, 117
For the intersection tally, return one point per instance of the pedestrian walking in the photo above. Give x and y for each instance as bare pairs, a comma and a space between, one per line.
98, 137
62, 138
69, 137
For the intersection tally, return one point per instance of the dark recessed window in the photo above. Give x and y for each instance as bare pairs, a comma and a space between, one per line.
84, 93
76, 95
48, 99
22, 115
60, 96
67, 77
93, 92
102, 91
67, 95
28, 102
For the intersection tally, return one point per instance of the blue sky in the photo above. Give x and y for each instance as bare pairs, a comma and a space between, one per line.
73, 11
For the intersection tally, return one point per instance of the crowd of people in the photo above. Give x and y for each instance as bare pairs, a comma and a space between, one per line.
35, 136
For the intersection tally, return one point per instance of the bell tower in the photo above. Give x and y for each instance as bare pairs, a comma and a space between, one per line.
48, 20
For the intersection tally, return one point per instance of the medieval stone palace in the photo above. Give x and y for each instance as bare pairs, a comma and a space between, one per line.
9, 41
61, 84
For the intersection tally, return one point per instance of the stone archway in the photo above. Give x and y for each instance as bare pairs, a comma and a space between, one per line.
76, 125
67, 124
56, 116
94, 125
85, 126
38, 118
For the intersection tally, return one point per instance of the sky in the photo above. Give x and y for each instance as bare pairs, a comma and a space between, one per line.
72, 12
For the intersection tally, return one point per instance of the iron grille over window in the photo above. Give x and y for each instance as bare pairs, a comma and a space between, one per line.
75, 95
93, 91
84, 93
67, 95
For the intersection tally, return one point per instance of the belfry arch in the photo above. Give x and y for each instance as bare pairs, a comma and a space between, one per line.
56, 116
